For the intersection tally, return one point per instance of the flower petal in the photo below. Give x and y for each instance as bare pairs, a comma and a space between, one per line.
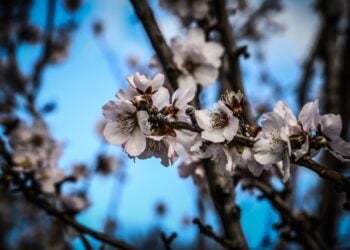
113, 134
157, 81
263, 153
231, 129
204, 118
161, 98
309, 116
182, 96
136, 143
215, 135
331, 125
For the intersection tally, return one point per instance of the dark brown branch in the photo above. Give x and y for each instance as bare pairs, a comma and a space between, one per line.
159, 44
208, 231
33, 197
222, 192
342, 181
167, 241
48, 208
229, 42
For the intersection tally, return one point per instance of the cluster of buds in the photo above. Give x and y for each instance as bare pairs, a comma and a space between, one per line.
148, 122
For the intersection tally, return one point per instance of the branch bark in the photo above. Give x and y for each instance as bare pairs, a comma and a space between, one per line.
222, 192
229, 42
164, 53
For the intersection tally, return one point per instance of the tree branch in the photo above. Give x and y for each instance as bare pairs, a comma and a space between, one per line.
164, 53
342, 181
222, 192
208, 231
229, 42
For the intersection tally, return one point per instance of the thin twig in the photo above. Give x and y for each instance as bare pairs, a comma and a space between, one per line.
232, 51
208, 231
167, 241
222, 192
164, 53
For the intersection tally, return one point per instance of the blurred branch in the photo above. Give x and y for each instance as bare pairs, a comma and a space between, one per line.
302, 224
233, 52
33, 197
168, 240
208, 231
164, 53
308, 66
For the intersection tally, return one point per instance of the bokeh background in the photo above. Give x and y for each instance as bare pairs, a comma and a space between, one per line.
142, 197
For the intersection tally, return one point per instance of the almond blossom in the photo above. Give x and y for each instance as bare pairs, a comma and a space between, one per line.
328, 126
272, 146
197, 59
123, 127
217, 126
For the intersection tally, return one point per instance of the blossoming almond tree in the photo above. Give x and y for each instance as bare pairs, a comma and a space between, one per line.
160, 115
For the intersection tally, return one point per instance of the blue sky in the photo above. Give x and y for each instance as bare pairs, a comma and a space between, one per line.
85, 81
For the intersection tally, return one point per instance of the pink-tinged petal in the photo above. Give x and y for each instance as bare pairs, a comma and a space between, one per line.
204, 118
157, 81
263, 153
271, 121
215, 135
130, 79
136, 143
125, 107
182, 96
206, 74
284, 110
161, 98
141, 82
309, 116
331, 125
231, 129
142, 120
109, 111
341, 147
196, 36
113, 134
126, 94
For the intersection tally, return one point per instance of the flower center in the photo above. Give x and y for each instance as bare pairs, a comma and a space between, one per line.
219, 120
127, 123
190, 66
276, 143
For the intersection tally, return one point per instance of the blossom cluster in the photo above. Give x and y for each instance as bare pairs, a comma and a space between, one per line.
147, 121
35, 156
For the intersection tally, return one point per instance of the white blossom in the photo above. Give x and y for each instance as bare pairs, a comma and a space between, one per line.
197, 59
123, 126
329, 126
272, 144
217, 126
140, 87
